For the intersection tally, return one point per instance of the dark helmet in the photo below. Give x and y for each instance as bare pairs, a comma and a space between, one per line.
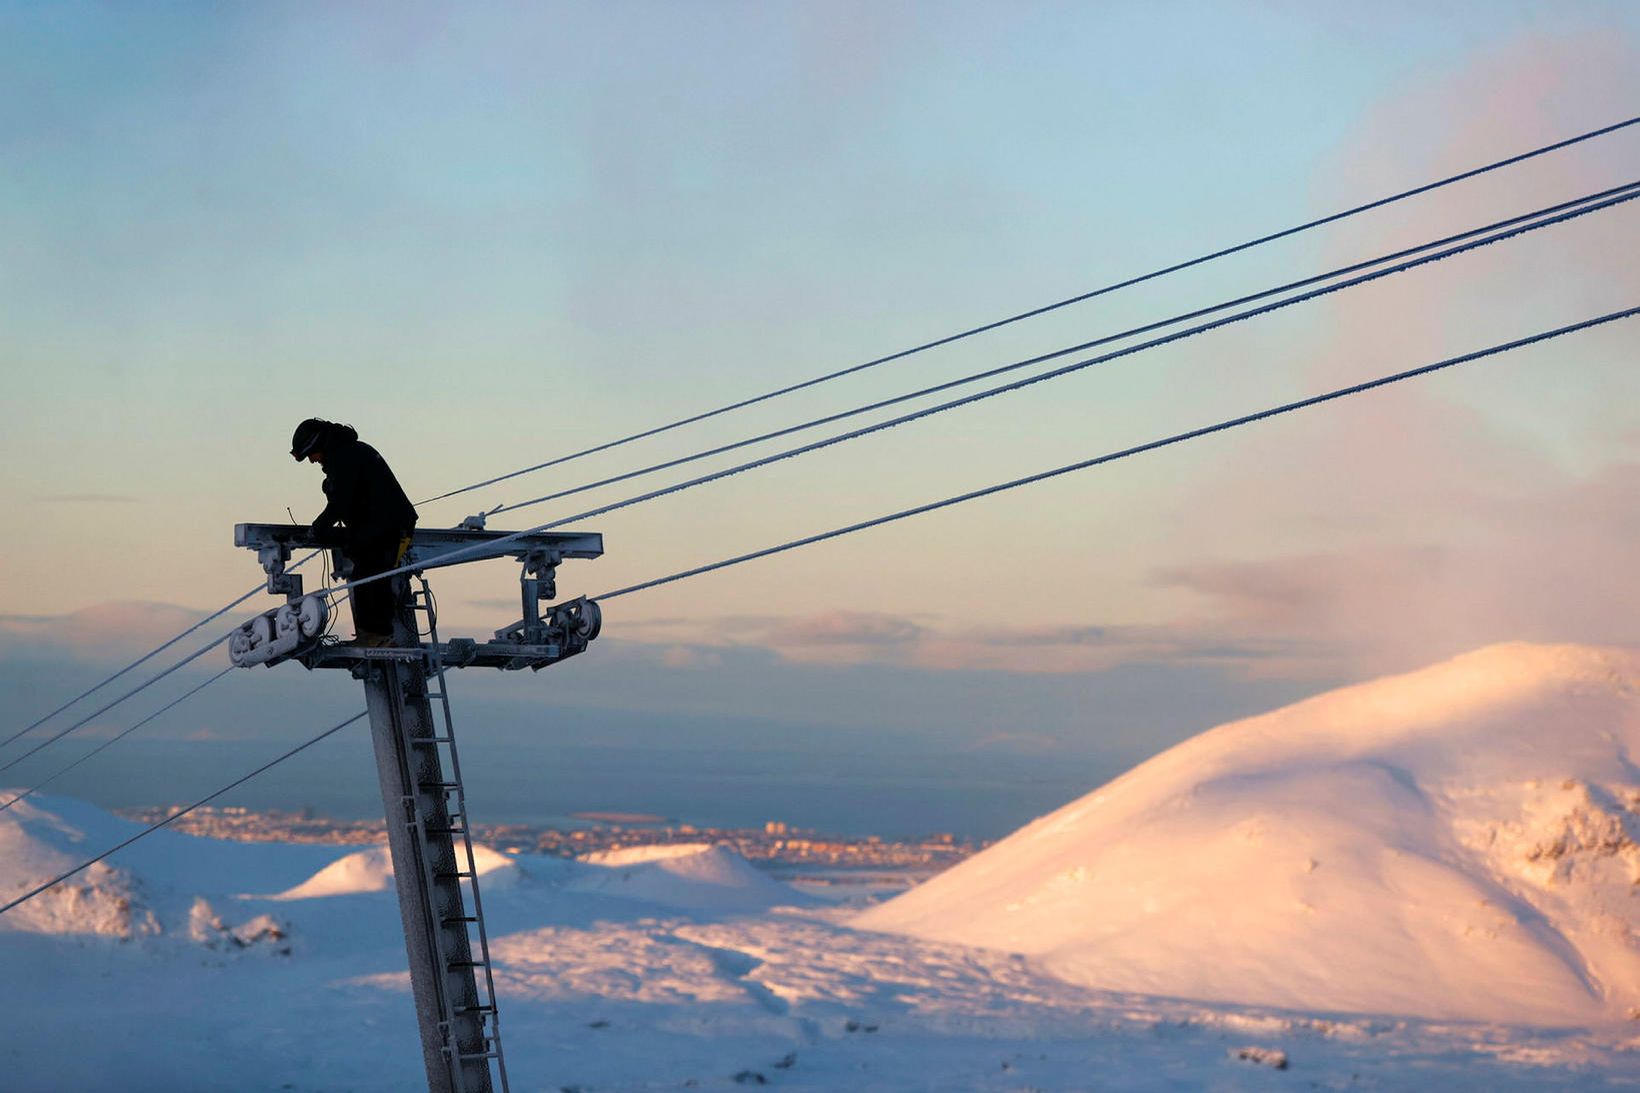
306, 438
318, 435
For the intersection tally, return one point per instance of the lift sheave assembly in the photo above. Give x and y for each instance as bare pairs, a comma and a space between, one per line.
428, 828
540, 637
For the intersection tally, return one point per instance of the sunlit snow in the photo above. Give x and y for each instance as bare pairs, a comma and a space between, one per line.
1422, 881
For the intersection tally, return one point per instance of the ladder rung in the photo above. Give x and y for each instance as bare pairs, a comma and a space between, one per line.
425, 740
446, 786
453, 919
479, 1055
478, 1009
466, 963
444, 830
459, 874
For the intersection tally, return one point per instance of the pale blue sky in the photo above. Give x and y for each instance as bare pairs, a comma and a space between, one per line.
491, 233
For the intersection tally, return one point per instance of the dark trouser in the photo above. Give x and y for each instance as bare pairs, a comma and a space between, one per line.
375, 603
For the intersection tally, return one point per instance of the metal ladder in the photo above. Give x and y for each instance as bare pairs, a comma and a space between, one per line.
468, 907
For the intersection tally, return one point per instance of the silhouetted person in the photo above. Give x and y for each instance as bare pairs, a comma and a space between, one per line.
376, 517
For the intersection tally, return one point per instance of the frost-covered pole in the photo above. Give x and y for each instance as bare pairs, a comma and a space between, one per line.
425, 870
428, 829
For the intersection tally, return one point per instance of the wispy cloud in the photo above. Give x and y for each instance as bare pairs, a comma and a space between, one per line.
107, 629
85, 499
845, 628
841, 638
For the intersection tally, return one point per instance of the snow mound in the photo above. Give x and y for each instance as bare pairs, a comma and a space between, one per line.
205, 926
372, 871
1457, 842
690, 876
146, 891
37, 844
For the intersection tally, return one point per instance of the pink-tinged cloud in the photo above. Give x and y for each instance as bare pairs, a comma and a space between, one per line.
882, 640
845, 628
1494, 502
116, 629
691, 657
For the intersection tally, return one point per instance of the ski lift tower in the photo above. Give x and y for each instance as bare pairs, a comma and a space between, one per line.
428, 824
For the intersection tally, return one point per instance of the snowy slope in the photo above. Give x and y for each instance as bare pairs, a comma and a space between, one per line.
687, 986
155, 888
1457, 842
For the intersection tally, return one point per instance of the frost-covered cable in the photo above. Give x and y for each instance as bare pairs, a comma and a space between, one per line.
488, 546
1379, 203
177, 815
144, 685
1177, 438
460, 554
1111, 457
1045, 309
116, 738
26, 729
990, 373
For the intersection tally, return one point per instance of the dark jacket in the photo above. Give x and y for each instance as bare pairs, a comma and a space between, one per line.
362, 493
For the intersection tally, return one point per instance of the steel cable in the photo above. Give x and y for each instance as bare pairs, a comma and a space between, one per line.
26, 729
1176, 267
149, 682
1109, 457
1124, 453
463, 553
177, 815
1623, 194
1045, 309
1066, 351
116, 738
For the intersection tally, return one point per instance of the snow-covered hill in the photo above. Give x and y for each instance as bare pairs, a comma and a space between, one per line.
169, 886
1457, 842
372, 871
696, 876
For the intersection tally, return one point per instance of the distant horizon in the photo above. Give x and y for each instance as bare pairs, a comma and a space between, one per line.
974, 797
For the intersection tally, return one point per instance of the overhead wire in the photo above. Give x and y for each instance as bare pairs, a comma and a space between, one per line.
459, 554
26, 729
1115, 286
1046, 308
177, 815
1124, 453
116, 738
1043, 357
1177, 438
1233, 423
463, 553
86, 720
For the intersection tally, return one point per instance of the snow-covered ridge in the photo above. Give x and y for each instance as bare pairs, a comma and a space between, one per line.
1456, 842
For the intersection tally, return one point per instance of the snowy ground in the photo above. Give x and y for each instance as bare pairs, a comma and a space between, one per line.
193, 964
701, 984
1457, 843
